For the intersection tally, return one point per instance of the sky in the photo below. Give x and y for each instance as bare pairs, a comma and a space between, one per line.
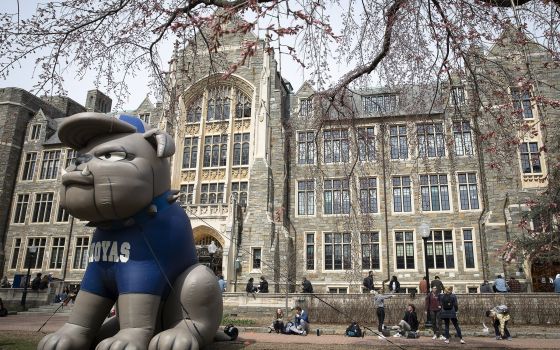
24, 76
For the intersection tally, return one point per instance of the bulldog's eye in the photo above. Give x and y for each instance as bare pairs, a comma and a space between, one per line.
113, 156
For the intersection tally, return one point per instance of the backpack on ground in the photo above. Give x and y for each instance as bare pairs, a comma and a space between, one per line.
232, 331
502, 309
354, 330
413, 335
447, 302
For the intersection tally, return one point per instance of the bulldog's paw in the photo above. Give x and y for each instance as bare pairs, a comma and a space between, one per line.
126, 339
69, 337
174, 339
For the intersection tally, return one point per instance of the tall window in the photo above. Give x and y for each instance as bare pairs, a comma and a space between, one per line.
256, 258
62, 214
50, 165
35, 132
463, 138
402, 196
530, 157
81, 253
379, 103
215, 150
29, 166
370, 250
336, 147
435, 192
212, 193
305, 107
306, 197
71, 156
404, 246
42, 207
20, 211
15, 253
190, 152
145, 117
243, 105
338, 251
468, 191
35, 260
239, 191
399, 142
430, 140
306, 147
187, 194
522, 102
336, 196
440, 249
366, 144
468, 247
219, 104
241, 149
310, 251
194, 113
368, 194
57, 253
458, 96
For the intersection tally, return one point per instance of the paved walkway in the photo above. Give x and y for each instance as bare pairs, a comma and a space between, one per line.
255, 339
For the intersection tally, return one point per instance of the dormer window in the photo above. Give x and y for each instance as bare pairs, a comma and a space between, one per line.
379, 103
458, 97
305, 107
145, 117
522, 102
35, 132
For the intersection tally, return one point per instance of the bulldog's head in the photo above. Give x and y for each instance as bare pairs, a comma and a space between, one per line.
121, 166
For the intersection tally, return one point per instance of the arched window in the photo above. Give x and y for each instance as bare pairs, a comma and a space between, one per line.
243, 105
241, 149
195, 111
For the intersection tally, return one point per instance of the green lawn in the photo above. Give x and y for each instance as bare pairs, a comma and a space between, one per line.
14, 340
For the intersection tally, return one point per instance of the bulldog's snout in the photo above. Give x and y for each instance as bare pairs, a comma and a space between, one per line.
77, 177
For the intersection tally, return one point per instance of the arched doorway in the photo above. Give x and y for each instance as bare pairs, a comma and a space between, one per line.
542, 274
203, 238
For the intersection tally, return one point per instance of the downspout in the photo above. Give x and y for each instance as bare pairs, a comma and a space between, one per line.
508, 238
383, 165
68, 251
484, 191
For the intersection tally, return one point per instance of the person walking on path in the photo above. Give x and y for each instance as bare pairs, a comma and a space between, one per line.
423, 286
368, 283
306, 286
434, 307
438, 284
449, 307
557, 284
263, 285
500, 285
486, 287
379, 304
394, 285
500, 317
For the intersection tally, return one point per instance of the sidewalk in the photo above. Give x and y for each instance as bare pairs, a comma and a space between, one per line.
258, 338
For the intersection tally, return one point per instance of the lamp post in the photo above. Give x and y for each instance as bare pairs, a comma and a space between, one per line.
212, 249
425, 233
32, 250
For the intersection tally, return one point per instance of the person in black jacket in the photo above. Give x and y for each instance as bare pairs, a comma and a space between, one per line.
409, 323
306, 286
263, 285
250, 288
394, 285
368, 283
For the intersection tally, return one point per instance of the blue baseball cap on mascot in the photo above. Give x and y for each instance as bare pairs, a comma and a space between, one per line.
77, 130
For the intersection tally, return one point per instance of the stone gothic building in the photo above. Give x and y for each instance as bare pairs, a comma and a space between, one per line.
287, 185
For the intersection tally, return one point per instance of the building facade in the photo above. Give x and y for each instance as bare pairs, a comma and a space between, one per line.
288, 185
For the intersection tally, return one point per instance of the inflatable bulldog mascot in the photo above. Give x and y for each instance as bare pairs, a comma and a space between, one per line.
142, 254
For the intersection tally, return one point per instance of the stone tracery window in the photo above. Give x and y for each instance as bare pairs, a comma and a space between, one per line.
195, 111
218, 104
243, 105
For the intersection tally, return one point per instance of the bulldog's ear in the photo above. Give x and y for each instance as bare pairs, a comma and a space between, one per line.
165, 147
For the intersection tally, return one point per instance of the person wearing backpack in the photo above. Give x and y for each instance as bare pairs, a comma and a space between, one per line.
500, 317
448, 312
434, 307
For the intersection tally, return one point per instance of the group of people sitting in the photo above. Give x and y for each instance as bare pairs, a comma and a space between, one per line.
299, 326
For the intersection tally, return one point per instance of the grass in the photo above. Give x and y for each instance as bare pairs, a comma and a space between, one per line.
14, 340
227, 319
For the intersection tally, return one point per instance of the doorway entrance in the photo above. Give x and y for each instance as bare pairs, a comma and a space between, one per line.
205, 255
